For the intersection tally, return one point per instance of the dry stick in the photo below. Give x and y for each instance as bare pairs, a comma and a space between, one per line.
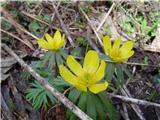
50, 88
63, 25
15, 24
126, 117
91, 25
14, 36
135, 101
6, 109
92, 44
136, 108
105, 17
41, 21
130, 63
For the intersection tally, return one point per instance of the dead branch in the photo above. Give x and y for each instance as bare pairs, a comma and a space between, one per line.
50, 88
105, 17
15, 24
125, 111
91, 25
41, 21
63, 25
14, 36
136, 101
136, 108
5, 109
90, 40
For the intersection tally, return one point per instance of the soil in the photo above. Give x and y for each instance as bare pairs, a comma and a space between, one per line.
15, 106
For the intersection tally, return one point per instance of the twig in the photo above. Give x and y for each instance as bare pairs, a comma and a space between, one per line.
128, 63
63, 25
41, 21
125, 111
14, 36
91, 25
136, 108
92, 44
5, 109
15, 24
105, 17
135, 101
50, 88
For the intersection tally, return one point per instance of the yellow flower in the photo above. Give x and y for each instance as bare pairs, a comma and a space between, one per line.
52, 43
88, 76
117, 53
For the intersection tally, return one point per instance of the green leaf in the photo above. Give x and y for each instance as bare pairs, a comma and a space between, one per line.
47, 18
45, 102
82, 101
38, 101
91, 106
109, 71
74, 94
59, 82
143, 25
77, 52
39, 96
104, 57
154, 26
51, 98
111, 112
5, 25
59, 59
119, 74
126, 71
101, 112
73, 117
64, 53
51, 63
34, 26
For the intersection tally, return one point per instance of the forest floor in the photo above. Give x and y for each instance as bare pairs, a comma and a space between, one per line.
22, 23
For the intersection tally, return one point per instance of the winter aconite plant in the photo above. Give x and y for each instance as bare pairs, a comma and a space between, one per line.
37, 94
115, 52
89, 92
53, 44
118, 54
87, 80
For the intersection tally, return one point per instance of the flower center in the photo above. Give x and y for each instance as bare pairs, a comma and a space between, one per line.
87, 78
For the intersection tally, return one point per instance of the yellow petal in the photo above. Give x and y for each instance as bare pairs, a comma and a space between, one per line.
107, 44
49, 39
91, 62
81, 87
128, 55
118, 59
117, 43
127, 46
43, 43
75, 67
57, 38
62, 42
67, 75
100, 72
96, 88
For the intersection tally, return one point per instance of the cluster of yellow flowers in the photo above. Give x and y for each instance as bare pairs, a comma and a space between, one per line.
88, 76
